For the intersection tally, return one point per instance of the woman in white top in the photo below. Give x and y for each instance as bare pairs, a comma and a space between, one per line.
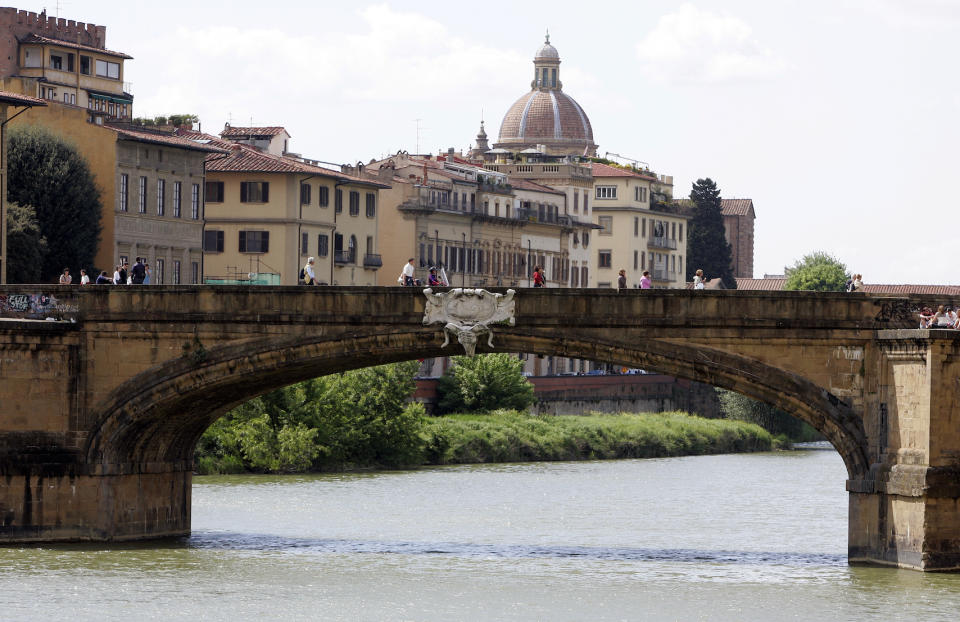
698, 280
84, 279
116, 276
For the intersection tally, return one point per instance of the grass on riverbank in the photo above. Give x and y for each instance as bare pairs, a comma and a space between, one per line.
516, 437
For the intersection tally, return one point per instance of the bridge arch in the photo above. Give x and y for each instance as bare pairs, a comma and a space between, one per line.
154, 420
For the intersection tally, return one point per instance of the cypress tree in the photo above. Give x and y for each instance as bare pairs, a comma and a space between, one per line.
707, 246
49, 174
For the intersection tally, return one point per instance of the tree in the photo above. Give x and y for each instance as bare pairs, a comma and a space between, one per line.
483, 383
707, 246
26, 246
50, 174
770, 418
819, 272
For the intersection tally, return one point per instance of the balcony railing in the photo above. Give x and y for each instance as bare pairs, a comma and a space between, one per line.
662, 242
372, 260
660, 274
345, 257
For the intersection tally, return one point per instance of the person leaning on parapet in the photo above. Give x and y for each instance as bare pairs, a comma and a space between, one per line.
539, 280
116, 275
309, 276
622, 280
125, 273
698, 280
138, 273
406, 275
84, 279
645, 282
103, 279
65, 278
433, 280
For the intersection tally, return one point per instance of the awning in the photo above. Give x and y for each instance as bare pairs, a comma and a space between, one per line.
109, 98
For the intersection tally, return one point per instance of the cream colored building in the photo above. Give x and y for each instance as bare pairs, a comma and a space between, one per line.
633, 237
266, 214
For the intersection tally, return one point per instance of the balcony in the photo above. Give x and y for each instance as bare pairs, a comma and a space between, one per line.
345, 257
372, 260
662, 243
661, 274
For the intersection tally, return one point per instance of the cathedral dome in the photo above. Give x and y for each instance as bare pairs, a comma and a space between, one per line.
546, 115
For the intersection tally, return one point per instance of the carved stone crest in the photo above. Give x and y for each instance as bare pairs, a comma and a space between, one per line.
468, 313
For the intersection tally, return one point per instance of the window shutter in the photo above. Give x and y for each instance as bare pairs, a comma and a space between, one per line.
266, 192
243, 193
220, 241
243, 241
265, 236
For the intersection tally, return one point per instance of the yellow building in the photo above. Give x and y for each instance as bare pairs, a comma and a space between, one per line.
266, 214
632, 237
65, 61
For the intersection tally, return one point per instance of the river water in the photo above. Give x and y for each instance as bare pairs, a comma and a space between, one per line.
735, 537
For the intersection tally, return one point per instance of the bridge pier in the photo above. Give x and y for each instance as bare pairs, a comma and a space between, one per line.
51, 505
906, 512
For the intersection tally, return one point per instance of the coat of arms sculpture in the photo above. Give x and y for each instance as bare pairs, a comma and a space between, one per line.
468, 313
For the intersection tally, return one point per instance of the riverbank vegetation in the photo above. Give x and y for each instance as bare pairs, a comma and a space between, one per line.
362, 419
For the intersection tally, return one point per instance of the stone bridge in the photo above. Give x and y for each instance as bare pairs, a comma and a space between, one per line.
104, 391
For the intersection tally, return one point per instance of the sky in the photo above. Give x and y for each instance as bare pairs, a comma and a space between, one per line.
839, 118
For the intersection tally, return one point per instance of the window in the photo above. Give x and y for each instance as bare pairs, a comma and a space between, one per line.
605, 259
176, 199
176, 272
158, 274
304, 243
354, 203
106, 69
576, 202
636, 226
673, 230
254, 241
304, 194
643, 228
85, 65
636, 260
584, 277
586, 209
680, 229
213, 241
323, 245
606, 192
214, 191
161, 196
606, 225
194, 272
254, 192
640, 194
124, 192
142, 197
70, 62
195, 201
56, 61
585, 239
324, 196
338, 200
372, 205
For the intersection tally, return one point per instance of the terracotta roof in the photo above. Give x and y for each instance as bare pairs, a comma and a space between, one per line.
605, 170
247, 159
17, 99
736, 207
34, 38
931, 290
869, 288
523, 184
767, 285
253, 131
169, 140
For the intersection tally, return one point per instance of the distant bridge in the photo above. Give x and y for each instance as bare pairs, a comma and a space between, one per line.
104, 391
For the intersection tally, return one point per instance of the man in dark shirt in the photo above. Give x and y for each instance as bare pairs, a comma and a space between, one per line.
123, 273
138, 272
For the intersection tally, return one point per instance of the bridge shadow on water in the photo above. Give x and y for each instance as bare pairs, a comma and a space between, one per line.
272, 543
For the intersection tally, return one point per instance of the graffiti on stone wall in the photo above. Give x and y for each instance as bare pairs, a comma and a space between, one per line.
34, 306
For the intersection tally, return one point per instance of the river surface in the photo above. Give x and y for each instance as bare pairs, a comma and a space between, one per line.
736, 537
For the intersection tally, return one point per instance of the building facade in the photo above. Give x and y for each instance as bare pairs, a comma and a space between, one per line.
632, 236
64, 61
266, 214
738, 221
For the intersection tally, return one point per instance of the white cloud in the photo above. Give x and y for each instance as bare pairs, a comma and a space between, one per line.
691, 45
